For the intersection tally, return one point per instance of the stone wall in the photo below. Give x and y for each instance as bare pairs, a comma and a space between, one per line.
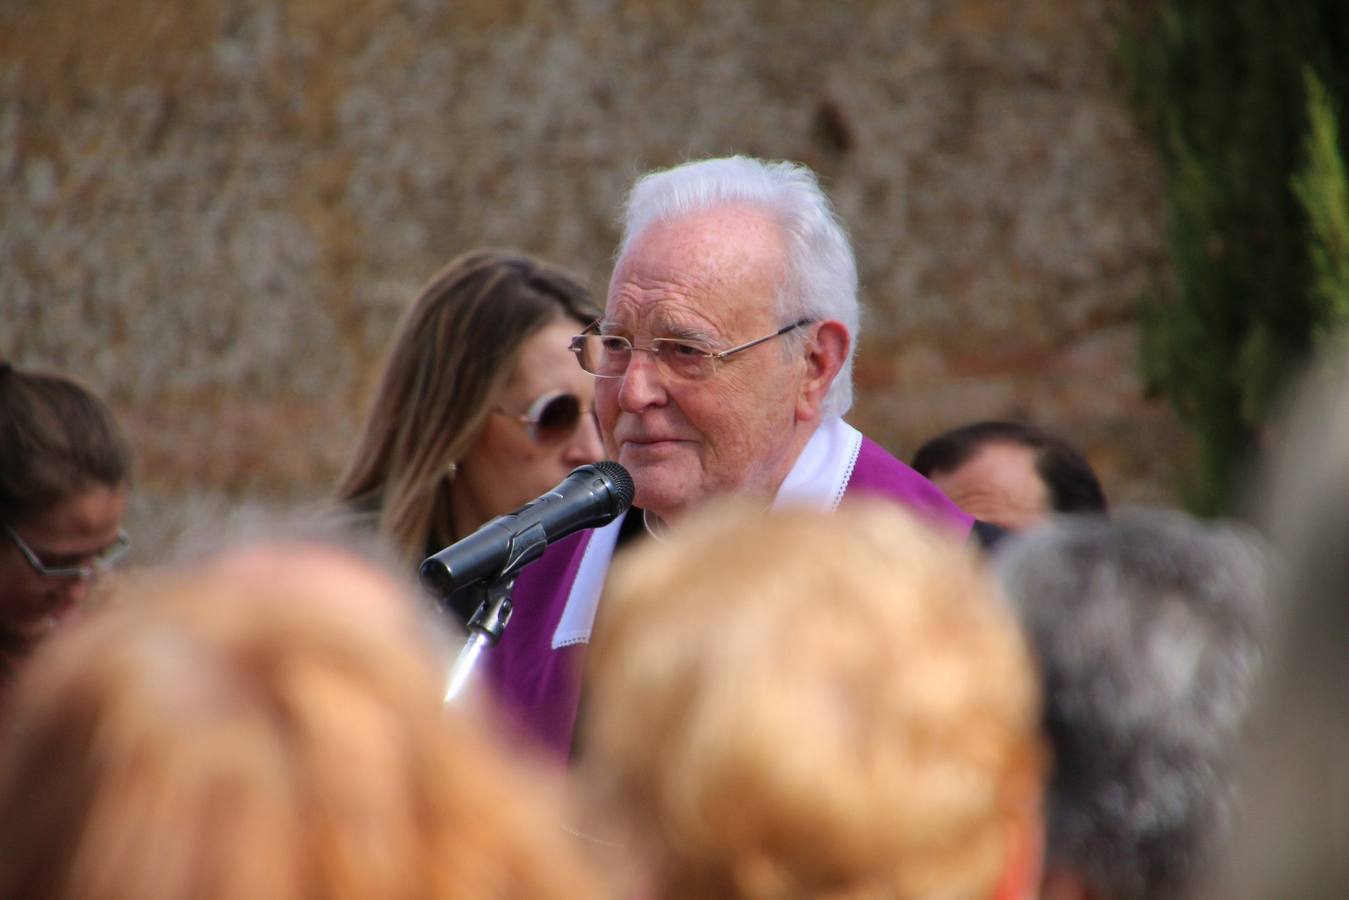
215, 212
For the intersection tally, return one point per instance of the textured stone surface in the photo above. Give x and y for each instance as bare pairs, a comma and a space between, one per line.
216, 211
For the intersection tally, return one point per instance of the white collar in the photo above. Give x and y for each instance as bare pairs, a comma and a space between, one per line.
817, 480
821, 473
578, 616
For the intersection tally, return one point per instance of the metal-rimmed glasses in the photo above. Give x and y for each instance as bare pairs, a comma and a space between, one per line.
608, 355
552, 418
99, 562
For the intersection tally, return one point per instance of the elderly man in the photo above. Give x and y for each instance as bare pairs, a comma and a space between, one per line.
723, 366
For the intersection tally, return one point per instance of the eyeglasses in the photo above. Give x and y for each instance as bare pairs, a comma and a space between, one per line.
98, 562
552, 418
608, 355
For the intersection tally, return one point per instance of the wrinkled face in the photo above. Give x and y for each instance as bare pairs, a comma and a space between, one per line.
506, 468
710, 278
71, 533
998, 484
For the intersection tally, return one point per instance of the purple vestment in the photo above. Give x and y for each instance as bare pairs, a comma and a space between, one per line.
539, 686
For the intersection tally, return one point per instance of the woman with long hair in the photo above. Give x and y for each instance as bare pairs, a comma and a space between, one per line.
481, 406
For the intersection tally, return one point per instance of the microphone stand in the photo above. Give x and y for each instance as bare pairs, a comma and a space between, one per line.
591, 495
484, 630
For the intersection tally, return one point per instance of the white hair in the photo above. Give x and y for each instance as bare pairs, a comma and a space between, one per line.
820, 281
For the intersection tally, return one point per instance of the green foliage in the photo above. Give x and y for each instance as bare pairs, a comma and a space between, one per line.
1321, 187
1221, 86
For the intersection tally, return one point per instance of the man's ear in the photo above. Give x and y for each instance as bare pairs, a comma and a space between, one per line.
825, 354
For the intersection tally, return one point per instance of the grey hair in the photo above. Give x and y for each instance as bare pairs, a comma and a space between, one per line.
820, 281
1148, 632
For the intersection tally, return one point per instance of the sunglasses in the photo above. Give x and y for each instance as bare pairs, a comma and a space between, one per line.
98, 562
552, 418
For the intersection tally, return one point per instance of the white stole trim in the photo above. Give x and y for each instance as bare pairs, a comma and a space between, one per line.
817, 480
578, 616
822, 471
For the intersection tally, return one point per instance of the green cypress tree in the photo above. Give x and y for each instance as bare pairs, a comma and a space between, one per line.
1220, 84
1321, 187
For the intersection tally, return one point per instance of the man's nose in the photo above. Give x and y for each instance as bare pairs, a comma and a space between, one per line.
73, 590
642, 384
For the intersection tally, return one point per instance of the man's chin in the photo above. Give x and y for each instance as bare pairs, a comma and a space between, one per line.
660, 490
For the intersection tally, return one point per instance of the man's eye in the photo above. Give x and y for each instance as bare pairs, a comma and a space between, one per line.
613, 344
679, 348
64, 562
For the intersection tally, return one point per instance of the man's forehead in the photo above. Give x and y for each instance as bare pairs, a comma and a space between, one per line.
696, 270
726, 236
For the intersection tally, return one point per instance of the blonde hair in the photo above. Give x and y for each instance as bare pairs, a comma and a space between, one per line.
829, 706
246, 732
455, 349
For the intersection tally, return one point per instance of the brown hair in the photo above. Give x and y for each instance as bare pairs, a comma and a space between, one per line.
56, 439
830, 706
452, 355
248, 732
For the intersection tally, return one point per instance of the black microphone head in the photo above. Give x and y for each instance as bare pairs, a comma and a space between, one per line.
435, 577
623, 489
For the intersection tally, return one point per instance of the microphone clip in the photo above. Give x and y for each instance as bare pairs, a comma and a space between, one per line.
485, 628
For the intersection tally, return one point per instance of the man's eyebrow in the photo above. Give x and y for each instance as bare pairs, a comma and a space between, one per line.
664, 329
688, 333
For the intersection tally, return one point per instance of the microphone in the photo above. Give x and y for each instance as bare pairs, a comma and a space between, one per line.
590, 496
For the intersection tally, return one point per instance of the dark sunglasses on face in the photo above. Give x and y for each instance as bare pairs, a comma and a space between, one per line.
552, 418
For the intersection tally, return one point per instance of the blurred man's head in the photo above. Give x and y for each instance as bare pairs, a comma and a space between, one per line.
1010, 474
828, 705
1147, 631
730, 324
269, 725
1293, 836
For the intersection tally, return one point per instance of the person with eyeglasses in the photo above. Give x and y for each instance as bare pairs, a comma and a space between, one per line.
480, 407
65, 465
722, 366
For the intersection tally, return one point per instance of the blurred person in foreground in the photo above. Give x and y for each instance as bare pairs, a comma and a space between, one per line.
1293, 839
791, 704
480, 408
64, 469
722, 366
1010, 474
268, 725
1148, 631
